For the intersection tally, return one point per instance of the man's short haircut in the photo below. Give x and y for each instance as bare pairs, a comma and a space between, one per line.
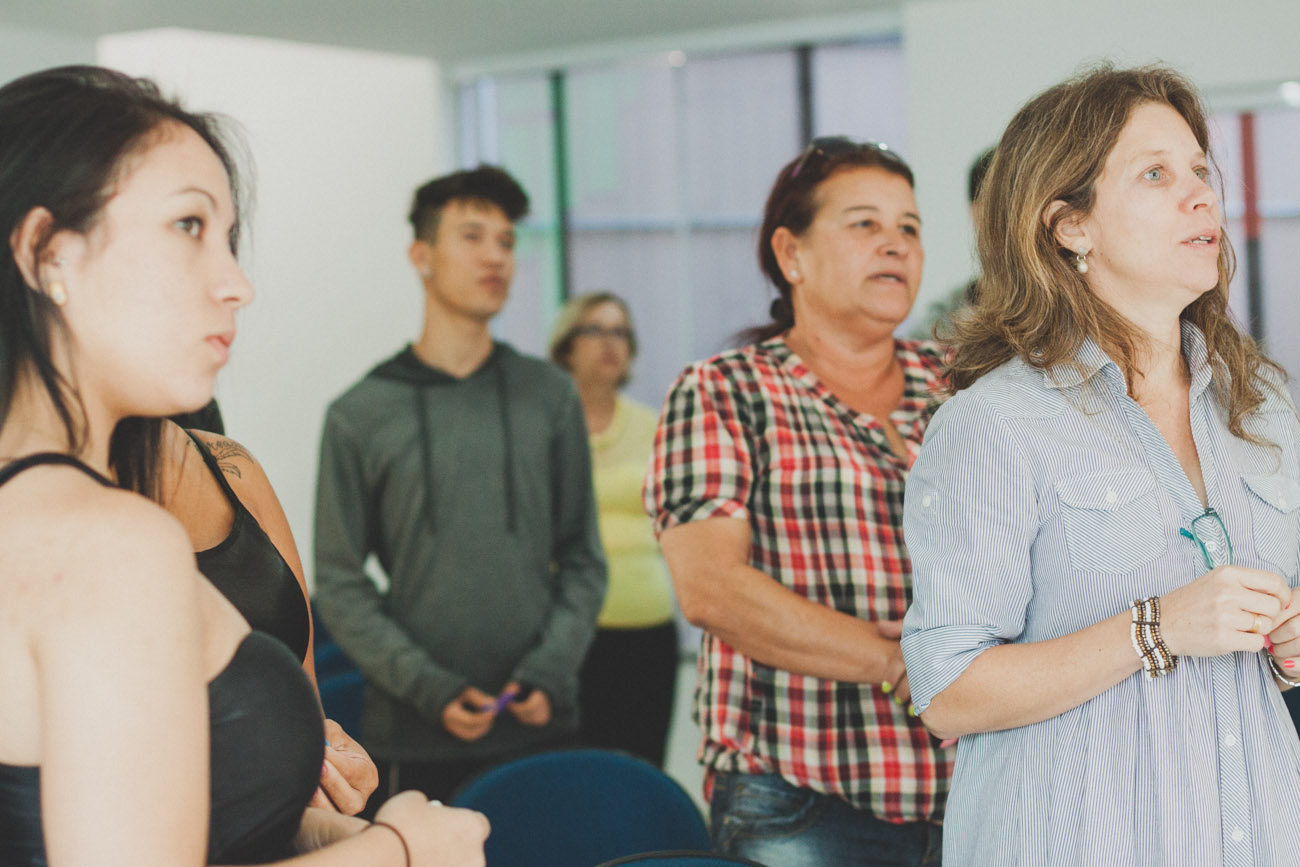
978, 170
484, 185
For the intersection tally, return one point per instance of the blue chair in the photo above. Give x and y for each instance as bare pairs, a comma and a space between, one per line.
681, 858
579, 808
341, 684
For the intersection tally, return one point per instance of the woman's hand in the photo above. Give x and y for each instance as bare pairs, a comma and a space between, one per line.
436, 836
1284, 641
894, 680
322, 826
1216, 613
348, 776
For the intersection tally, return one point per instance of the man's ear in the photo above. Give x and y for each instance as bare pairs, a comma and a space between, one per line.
24, 242
785, 245
1069, 230
419, 254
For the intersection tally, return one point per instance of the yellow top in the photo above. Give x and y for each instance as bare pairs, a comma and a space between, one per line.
640, 593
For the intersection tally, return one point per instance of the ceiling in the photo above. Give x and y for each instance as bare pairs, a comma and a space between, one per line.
451, 31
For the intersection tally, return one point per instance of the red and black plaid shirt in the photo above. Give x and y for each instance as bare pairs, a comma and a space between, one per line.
753, 434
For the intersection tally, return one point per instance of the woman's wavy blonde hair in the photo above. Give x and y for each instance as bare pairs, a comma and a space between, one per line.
1032, 303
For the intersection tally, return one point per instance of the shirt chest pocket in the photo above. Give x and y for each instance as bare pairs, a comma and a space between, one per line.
1275, 520
1111, 521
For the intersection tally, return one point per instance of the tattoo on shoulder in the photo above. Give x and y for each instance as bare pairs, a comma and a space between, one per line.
225, 452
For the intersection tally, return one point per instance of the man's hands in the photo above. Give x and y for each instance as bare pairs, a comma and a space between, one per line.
471, 714
532, 708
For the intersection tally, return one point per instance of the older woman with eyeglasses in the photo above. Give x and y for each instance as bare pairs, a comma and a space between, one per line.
628, 680
777, 490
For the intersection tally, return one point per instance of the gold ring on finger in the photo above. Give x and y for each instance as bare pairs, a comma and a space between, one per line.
1258, 626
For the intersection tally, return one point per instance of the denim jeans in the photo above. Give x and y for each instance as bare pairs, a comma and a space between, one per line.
768, 820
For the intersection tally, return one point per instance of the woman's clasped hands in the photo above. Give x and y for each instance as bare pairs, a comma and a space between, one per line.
1233, 608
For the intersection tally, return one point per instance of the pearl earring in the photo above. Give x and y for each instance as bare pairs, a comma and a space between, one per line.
794, 275
1081, 260
57, 292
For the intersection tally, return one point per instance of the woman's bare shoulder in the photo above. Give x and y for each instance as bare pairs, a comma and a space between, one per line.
242, 471
84, 548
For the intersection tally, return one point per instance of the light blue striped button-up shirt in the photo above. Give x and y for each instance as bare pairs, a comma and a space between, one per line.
1029, 519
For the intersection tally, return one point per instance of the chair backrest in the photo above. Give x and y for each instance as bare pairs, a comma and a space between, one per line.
579, 808
681, 858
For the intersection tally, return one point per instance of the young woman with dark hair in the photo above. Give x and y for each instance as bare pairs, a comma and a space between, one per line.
143, 722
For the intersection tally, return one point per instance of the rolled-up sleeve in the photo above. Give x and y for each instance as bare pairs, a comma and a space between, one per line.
700, 466
970, 519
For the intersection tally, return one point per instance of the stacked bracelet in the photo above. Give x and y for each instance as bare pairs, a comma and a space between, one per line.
1279, 674
1157, 661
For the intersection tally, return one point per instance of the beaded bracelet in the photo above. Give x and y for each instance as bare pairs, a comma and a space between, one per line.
1169, 661
406, 850
1277, 672
1162, 661
1157, 661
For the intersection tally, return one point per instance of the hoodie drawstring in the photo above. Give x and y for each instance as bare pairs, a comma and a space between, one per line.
426, 455
503, 405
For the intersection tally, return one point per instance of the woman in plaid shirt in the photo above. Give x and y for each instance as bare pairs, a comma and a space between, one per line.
777, 491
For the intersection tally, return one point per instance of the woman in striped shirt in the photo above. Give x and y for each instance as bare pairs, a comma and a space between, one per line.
1104, 519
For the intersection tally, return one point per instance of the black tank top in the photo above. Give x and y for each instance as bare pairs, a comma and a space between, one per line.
248, 570
267, 745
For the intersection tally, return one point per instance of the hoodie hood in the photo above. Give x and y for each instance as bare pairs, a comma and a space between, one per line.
407, 367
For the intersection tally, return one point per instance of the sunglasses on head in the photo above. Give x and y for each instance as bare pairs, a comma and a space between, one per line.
836, 145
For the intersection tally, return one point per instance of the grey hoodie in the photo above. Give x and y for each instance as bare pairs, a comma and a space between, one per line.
475, 496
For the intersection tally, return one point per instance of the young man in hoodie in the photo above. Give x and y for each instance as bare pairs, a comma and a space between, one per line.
463, 467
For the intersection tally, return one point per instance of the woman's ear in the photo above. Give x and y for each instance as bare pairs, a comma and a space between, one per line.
785, 245
1069, 229
24, 242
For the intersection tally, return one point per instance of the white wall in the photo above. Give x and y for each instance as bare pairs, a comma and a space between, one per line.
972, 63
340, 140
26, 49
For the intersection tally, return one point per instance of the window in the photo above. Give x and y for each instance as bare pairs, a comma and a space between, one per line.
667, 164
1277, 137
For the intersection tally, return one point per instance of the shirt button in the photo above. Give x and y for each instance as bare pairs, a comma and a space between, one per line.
1238, 835
1211, 545
926, 501
1111, 496
1282, 502
1230, 740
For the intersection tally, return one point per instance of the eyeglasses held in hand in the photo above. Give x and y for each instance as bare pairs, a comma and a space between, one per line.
1211, 536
